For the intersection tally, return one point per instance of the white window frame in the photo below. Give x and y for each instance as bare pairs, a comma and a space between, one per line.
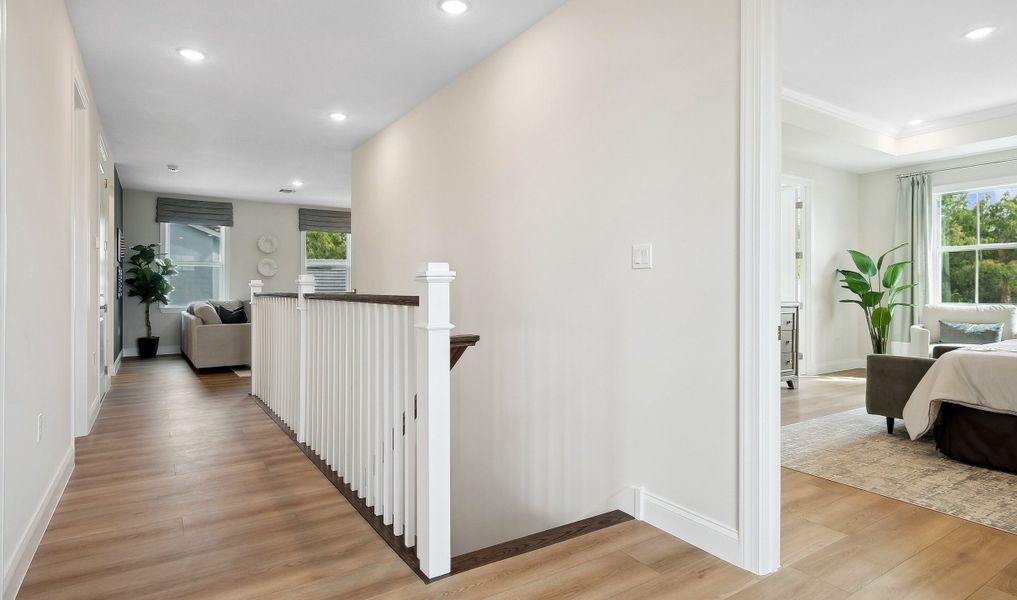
224, 273
937, 250
349, 257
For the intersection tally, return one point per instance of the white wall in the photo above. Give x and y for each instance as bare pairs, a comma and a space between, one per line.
251, 221
838, 330
533, 174
41, 60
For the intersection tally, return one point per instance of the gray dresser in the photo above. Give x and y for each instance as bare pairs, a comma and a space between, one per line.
789, 324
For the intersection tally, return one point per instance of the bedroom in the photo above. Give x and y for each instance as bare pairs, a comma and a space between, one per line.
901, 130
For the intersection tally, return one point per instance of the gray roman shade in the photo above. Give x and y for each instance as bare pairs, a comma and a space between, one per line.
316, 219
194, 212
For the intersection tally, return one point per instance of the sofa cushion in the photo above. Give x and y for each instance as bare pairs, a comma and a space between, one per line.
207, 313
231, 317
970, 313
193, 305
970, 333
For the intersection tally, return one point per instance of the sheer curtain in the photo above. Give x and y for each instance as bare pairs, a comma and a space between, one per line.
914, 226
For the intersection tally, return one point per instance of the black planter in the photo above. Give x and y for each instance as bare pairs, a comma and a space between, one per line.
148, 347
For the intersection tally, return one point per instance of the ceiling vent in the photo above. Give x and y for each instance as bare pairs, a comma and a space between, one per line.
286, 191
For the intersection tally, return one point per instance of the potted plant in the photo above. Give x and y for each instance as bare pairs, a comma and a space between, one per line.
149, 282
877, 301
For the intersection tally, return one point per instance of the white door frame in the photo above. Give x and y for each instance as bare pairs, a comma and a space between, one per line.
3, 275
806, 330
759, 303
81, 295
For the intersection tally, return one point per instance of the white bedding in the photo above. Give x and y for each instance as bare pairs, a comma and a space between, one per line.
983, 377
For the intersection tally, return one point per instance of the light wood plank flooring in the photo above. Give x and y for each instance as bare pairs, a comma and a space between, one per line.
185, 489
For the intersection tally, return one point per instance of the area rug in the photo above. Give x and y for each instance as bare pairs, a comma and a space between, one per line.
241, 372
853, 448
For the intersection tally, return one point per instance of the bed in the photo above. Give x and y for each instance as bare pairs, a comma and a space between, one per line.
968, 399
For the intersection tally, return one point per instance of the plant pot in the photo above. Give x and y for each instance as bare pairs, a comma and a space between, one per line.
148, 347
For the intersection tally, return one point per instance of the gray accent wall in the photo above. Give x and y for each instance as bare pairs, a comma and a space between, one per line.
251, 221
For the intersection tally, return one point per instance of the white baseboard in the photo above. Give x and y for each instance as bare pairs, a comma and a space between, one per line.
700, 531
132, 351
93, 412
844, 364
24, 550
116, 363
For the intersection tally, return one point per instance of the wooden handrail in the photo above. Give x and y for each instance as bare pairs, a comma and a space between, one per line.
276, 295
459, 344
367, 298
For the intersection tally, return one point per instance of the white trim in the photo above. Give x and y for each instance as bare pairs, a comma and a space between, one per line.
838, 112
81, 244
132, 351
703, 532
844, 364
118, 360
24, 549
3, 282
758, 385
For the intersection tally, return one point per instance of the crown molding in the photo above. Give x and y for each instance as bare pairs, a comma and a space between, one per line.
838, 112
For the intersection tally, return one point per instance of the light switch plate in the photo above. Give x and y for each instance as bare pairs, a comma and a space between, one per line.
642, 256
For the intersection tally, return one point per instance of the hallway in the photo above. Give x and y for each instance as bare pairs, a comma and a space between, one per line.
185, 488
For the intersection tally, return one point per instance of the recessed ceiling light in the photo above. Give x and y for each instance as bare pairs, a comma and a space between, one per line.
981, 32
454, 7
173, 168
191, 54
338, 117
914, 122
297, 183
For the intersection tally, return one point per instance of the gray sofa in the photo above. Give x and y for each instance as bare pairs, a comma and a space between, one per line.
208, 345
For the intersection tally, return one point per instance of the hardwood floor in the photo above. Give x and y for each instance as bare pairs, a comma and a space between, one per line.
185, 489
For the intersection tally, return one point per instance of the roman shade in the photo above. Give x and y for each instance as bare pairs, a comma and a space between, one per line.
317, 219
194, 212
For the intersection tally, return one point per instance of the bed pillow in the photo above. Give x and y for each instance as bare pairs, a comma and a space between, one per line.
207, 313
970, 333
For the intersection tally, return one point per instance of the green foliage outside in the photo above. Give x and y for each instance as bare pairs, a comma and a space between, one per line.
997, 269
322, 245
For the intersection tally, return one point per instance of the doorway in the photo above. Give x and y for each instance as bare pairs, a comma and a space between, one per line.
795, 263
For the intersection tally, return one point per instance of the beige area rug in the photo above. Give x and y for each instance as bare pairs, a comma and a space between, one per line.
241, 372
853, 448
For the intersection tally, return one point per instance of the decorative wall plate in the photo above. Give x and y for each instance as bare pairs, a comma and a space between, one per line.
268, 244
267, 267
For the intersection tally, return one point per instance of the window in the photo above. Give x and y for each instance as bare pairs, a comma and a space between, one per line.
199, 252
977, 250
327, 257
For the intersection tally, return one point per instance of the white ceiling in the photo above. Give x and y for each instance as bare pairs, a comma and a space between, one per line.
254, 116
896, 60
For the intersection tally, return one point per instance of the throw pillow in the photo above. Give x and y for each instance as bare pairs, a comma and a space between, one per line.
970, 333
228, 304
207, 314
193, 305
232, 317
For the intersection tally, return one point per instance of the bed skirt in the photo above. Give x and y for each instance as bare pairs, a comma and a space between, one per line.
977, 437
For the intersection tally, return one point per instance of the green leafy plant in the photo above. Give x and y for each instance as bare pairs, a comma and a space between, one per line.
879, 300
149, 280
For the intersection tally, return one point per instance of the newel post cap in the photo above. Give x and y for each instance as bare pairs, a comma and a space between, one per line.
435, 271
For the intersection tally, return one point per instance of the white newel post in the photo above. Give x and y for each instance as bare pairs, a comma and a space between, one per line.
256, 286
305, 285
434, 421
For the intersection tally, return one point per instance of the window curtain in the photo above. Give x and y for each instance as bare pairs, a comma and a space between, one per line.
194, 212
914, 226
317, 219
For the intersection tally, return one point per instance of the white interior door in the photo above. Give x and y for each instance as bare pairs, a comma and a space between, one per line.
103, 270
